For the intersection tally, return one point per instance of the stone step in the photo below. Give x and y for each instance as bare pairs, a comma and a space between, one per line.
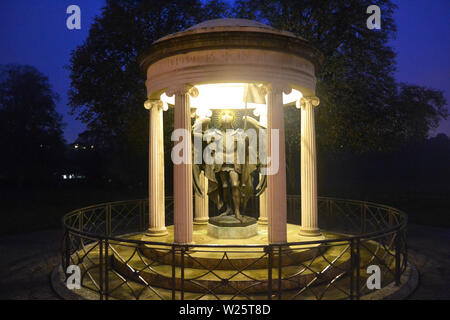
231, 258
251, 278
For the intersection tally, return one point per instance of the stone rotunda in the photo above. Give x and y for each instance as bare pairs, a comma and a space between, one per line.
183, 68
233, 67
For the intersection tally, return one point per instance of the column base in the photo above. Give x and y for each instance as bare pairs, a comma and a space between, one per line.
263, 220
201, 221
310, 232
156, 232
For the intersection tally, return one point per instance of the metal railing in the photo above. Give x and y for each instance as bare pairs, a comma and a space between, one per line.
105, 241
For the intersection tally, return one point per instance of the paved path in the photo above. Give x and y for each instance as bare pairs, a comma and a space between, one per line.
429, 250
26, 261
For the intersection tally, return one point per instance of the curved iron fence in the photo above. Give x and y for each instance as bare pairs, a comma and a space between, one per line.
105, 241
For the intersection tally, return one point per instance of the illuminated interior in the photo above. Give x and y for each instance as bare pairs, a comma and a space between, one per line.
227, 96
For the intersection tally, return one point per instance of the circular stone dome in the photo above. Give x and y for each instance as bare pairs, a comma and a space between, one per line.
228, 24
230, 51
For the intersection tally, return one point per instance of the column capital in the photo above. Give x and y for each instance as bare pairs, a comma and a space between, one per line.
275, 88
308, 101
153, 103
182, 89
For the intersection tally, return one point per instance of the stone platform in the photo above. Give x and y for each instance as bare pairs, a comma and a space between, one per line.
229, 227
204, 269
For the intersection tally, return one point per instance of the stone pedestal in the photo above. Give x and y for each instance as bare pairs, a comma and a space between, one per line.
229, 227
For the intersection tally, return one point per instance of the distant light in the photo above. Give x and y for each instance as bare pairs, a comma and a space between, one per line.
76, 146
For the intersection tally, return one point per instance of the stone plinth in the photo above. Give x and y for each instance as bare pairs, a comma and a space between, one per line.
228, 227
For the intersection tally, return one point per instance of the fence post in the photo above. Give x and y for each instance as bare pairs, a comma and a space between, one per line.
357, 266
100, 281
182, 273
269, 270
352, 268
80, 220
279, 271
66, 250
397, 258
174, 282
108, 220
363, 218
106, 269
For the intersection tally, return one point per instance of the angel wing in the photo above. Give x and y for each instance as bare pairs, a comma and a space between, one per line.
253, 123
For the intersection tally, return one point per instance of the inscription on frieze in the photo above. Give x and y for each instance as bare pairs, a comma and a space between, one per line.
235, 57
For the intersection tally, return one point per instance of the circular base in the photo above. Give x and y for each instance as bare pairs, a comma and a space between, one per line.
201, 220
157, 232
409, 282
231, 221
229, 227
307, 232
263, 221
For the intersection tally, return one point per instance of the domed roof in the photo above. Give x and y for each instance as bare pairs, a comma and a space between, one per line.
228, 24
228, 34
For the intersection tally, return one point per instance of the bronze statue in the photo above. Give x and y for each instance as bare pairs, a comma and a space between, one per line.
230, 183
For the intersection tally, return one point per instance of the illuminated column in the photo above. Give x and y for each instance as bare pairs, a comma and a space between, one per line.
182, 168
262, 113
201, 204
276, 179
156, 169
310, 223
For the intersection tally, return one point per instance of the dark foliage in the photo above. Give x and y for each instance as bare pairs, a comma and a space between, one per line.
362, 110
31, 143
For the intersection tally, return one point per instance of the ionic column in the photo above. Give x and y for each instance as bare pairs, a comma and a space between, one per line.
276, 179
182, 169
156, 206
310, 223
201, 204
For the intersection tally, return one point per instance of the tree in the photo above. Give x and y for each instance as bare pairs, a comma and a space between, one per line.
362, 107
31, 141
356, 85
416, 111
107, 87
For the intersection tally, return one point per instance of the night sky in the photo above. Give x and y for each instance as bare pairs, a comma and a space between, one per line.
34, 32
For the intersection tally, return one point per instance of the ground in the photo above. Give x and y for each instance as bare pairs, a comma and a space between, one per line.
26, 261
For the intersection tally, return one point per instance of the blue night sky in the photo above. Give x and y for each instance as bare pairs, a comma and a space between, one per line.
34, 32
